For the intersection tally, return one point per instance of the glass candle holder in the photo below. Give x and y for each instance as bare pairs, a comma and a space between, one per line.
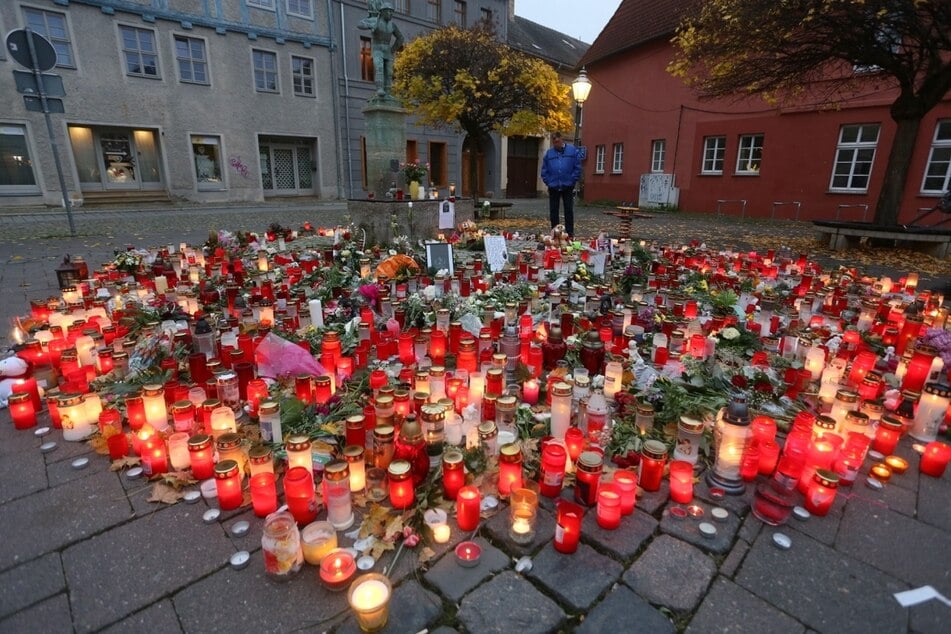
156, 414
689, 434
552, 471
768, 456
201, 456
178, 451
510, 468
609, 506
369, 598
453, 474
263, 493
376, 484
280, 544
299, 452
468, 503
574, 443
932, 409
336, 491
588, 476
317, 540
260, 460
355, 455
653, 459
22, 411
222, 421
568, 527
400, 478
300, 495
228, 484
560, 409
356, 430
681, 481
523, 512
887, 435
337, 569
821, 492
934, 459
626, 483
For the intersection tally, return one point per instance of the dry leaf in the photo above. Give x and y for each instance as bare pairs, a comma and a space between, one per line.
359, 500
178, 479
393, 528
99, 444
165, 494
381, 547
124, 463
425, 554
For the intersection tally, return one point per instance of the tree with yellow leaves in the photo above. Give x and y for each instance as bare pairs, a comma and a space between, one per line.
779, 48
465, 79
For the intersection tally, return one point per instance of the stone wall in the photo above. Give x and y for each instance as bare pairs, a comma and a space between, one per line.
419, 222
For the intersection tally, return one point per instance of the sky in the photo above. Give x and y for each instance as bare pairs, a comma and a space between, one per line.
582, 19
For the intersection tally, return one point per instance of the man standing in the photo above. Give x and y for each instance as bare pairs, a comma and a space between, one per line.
381, 26
561, 169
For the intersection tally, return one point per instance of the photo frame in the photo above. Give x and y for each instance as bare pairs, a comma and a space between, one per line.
439, 257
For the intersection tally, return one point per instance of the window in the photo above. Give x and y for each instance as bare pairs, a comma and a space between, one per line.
207, 157
190, 55
302, 70
599, 159
714, 148
16, 167
938, 171
617, 166
750, 154
401, 6
459, 9
437, 164
261, 4
366, 59
658, 154
854, 157
434, 11
138, 48
412, 154
486, 15
300, 9
52, 26
265, 70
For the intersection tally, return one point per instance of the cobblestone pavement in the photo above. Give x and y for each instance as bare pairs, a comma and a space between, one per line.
82, 549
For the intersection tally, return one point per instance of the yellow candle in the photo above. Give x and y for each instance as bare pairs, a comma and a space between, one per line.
369, 598
318, 539
441, 533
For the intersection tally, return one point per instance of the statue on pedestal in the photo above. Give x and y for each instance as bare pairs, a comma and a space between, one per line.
387, 41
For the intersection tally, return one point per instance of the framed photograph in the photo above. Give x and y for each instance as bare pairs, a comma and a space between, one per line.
439, 256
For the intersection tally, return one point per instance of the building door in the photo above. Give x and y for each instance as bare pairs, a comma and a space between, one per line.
287, 170
522, 165
118, 157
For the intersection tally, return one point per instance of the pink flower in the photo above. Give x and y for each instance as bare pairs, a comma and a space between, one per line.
371, 292
410, 537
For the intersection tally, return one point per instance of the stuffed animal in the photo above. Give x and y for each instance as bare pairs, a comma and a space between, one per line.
11, 369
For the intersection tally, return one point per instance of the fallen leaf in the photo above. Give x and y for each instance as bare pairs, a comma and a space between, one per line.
381, 547
178, 479
99, 445
425, 554
124, 463
165, 494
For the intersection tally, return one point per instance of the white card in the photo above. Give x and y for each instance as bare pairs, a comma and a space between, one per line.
495, 252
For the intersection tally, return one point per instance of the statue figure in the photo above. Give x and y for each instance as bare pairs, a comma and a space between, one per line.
381, 26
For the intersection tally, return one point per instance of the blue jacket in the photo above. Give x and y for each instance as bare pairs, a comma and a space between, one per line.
561, 169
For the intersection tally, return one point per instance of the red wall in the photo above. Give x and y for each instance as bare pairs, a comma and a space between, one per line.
634, 101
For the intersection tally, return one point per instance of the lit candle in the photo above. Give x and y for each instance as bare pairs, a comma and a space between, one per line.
468, 554
467, 508
935, 459
453, 474
156, 414
400, 478
530, 391
154, 456
22, 411
552, 472
626, 483
369, 598
568, 527
201, 456
28, 386
318, 539
821, 493
510, 468
356, 461
337, 569
178, 451
263, 494
681, 481
609, 506
815, 362
222, 421
300, 495
931, 412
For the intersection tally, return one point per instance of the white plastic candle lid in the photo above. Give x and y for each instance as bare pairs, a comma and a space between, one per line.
191, 497
801, 513
720, 514
47, 447
782, 541
133, 473
366, 562
80, 463
41, 431
241, 528
872, 483
211, 516
707, 529
875, 455
209, 490
489, 502
240, 559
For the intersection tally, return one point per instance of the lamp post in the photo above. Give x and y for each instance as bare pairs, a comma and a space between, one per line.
580, 89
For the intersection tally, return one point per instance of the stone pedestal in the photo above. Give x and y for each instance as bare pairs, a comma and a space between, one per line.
383, 219
385, 144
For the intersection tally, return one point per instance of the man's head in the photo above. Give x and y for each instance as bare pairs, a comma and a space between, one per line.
386, 10
557, 142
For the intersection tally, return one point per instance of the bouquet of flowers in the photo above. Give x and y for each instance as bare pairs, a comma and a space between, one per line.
414, 171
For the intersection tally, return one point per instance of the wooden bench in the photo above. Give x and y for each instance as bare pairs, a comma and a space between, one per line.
626, 214
496, 210
850, 235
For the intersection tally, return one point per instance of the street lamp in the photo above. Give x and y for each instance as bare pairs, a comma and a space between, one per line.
580, 89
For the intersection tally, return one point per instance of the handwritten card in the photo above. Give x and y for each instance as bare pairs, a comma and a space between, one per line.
495, 252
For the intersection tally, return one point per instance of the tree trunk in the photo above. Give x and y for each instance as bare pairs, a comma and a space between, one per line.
888, 207
474, 143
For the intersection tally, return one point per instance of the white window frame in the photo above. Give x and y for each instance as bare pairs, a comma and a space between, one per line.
209, 139
617, 159
298, 6
267, 5
464, 20
852, 154
658, 155
255, 70
437, 5
139, 51
313, 77
401, 6
599, 152
749, 154
14, 190
714, 155
190, 60
938, 144
57, 41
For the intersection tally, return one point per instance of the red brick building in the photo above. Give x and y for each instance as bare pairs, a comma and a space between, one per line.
650, 139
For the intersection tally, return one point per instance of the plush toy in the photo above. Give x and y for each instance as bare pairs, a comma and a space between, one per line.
11, 369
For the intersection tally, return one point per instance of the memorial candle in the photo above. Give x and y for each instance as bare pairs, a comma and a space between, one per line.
400, 477
467, 508
626, 483
154, 456
510, 468
369, 598
337, 569
299, 494
934, 459
135, 412
530, 391
30, 387
201, 456
156, 414
22, 411
453, 474
263, 494
568, 527
552, 472
681, 481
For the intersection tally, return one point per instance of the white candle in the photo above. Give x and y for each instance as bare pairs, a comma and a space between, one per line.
161, 284
370, 595
441, 533
316, 313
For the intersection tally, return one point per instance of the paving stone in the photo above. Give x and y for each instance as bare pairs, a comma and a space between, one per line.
911, 478
869, 532
671, 573
247, 601
158, 617
22, 466
728, 608
933, 496
508, 603
68, 450
411, 609
443, 629
623, 606
454, 581
577, 579
651, 501
140, 562
738, 504
896, 498
624, 541
735, 558
928, 618
28, 583
499, 525
50, 615
62, 472
821, 587
51, 519
823, 529
750, 528
688, 529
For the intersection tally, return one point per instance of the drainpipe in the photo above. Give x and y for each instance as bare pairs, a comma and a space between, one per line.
334, 98
346, 102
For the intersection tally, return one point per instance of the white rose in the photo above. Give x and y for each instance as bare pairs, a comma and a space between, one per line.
730, 333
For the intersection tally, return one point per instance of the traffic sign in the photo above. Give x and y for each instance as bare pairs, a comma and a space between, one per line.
33, 104
19, 48
26, 83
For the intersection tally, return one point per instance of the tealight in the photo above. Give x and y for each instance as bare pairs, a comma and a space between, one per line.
468, 554
897, 464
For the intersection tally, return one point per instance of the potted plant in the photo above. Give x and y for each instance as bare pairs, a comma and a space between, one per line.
415, 173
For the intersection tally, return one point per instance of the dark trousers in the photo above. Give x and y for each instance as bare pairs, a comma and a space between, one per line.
565, 195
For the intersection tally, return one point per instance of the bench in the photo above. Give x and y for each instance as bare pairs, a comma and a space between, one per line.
496, 210
626, 213
850, 235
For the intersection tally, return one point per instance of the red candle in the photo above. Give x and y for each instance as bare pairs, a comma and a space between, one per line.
574, 441
530, 391
118, 445
467, 508
28, 385
406, 348
768, 456
821, 493
749, 463
453, 474
378, 379
154, 455
257, 391
201, 455
304, 388
653, 459
626, 483
510, 468
299, 494
21, 410
337, 569
887, 435
468, 554
135, 412
552, 472
763, 428
568, 527
400, 477
345, 368
263, 494
437, 347
609, 506
52, 404
183, 415
110, 421
681, 481
935, 459
228, 483
356, 430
